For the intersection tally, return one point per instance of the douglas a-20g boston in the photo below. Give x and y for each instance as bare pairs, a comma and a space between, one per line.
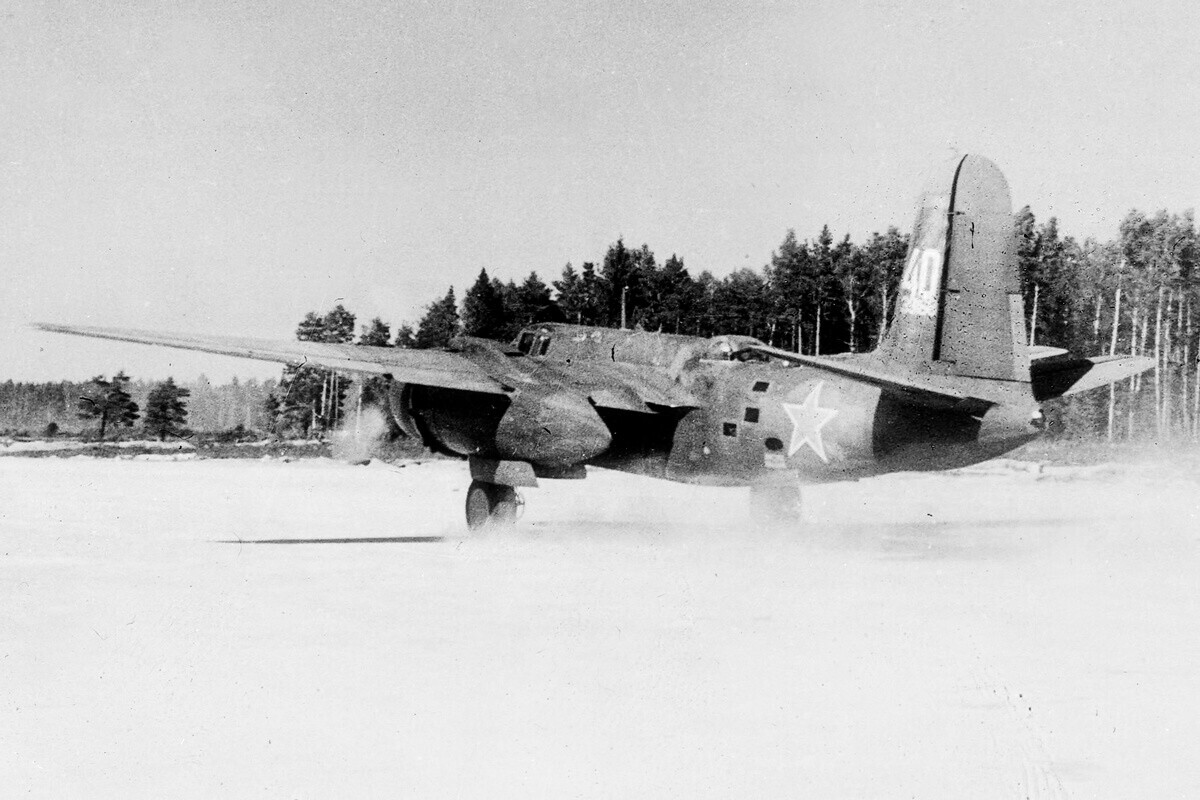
952, 382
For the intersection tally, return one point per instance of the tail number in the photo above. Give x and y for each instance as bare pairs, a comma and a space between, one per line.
919, 286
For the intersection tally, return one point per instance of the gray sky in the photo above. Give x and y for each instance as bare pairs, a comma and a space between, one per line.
229, 167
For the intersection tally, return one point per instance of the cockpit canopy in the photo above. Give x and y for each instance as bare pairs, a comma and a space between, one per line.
733, 348
561, 342
534, 341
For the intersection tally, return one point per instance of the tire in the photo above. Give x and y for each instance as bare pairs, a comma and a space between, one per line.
479, 505
490, 505
506, 506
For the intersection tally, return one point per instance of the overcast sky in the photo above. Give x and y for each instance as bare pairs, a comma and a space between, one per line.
229, 167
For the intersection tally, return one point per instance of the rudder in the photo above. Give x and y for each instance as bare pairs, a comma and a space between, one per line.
959, 309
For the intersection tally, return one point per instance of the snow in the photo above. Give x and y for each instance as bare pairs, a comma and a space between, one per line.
310, 629
10, 446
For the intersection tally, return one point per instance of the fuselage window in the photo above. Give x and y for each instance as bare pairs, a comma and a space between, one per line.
761, 386
751, 415
526, 343
730, 429
543, 346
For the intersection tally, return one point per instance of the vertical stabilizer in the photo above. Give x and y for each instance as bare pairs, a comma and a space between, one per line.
959, 308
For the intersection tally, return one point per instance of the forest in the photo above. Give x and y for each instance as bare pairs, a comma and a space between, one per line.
62, 408
1137, 293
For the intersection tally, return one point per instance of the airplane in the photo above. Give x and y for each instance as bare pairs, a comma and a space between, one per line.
952, 382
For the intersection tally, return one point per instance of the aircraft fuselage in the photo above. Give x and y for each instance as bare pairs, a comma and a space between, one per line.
761, 418
750, 418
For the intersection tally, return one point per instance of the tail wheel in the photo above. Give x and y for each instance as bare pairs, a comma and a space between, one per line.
776, 502
492, 505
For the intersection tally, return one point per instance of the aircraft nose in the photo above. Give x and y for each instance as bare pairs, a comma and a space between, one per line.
556, 427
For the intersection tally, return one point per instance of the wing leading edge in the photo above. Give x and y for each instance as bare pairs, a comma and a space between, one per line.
930, 391
425, 367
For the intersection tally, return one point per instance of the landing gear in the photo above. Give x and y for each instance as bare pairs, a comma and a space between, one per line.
776, 501
491, 505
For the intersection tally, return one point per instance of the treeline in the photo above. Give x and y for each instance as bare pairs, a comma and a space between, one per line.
818, 296
33, 409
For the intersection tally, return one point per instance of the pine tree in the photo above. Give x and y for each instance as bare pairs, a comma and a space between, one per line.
440, 323
852, 275
166, 411
483, 312
571, 298
531, 302
377, 334
593, 303
1029, 266
643, 281
1058, 287
110, 402
674, 297
885, 255
297, 403
272, 407
338, 327
405, 337
620, 281
707, 319
740, 304
822, 278
789, 281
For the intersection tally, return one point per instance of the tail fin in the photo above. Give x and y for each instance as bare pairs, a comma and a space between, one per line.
959, 310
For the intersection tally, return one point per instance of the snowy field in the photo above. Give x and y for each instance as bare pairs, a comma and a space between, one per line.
311, 629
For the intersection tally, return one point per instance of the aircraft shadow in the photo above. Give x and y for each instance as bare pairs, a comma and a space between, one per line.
341, 540
889, 540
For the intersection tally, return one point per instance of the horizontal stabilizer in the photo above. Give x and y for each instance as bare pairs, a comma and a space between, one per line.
926, 390
424, 367
1057, 377
1039, 351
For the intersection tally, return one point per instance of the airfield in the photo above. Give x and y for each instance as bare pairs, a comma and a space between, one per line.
247, 628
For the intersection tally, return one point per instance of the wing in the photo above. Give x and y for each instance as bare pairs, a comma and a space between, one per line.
608, 384
425, 367
629, 387
928, 391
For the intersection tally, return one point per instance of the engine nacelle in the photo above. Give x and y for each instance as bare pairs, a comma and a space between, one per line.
553, 426
399, 405
543, 425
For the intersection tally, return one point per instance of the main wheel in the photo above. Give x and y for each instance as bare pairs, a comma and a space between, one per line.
479, 505
506, 506
490, 504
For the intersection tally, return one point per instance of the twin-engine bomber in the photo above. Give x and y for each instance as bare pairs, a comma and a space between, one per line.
951, 384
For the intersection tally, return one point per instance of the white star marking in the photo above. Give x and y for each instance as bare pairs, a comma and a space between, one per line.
807, 420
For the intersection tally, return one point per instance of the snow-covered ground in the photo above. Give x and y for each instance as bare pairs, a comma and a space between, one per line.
310, 629
10, 446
